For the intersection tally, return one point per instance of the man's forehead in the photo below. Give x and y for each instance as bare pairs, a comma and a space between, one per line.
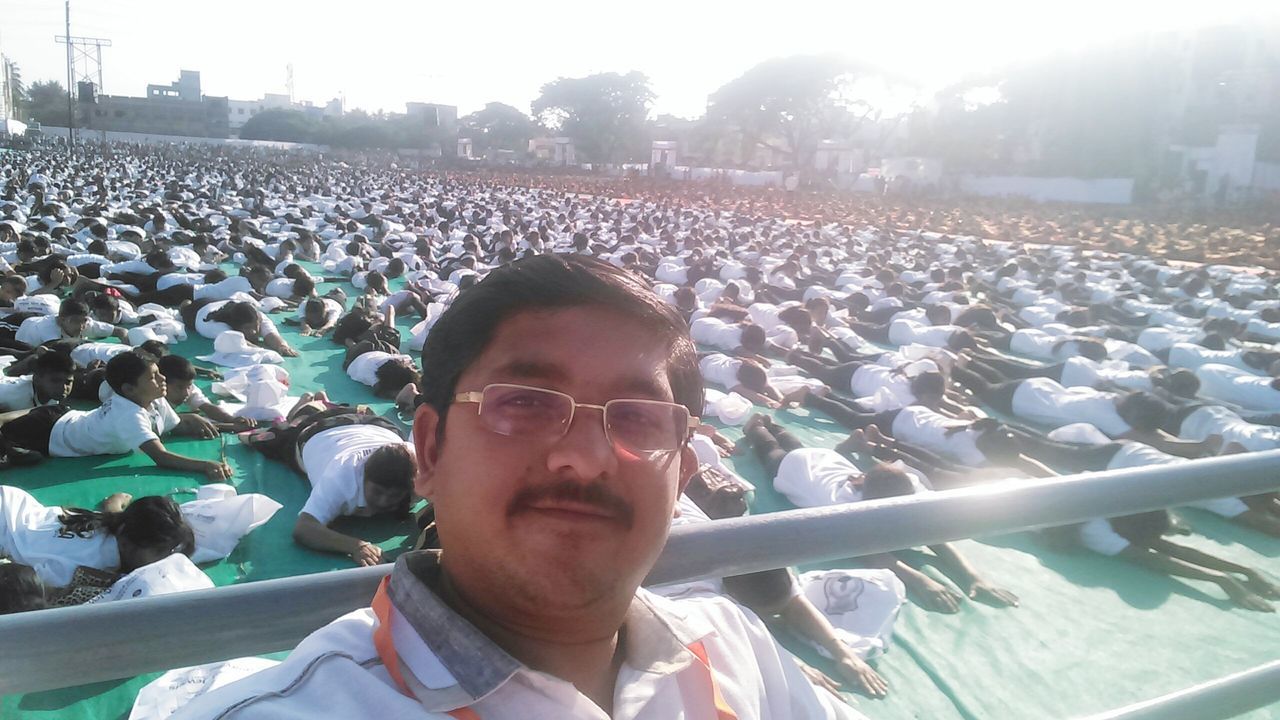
578, 346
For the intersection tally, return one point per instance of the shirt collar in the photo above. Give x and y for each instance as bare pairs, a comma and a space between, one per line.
453, 664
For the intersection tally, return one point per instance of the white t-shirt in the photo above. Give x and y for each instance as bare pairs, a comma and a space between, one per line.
720, 369
85, 353
364, 368
1046, 401
17, 393
334, 462
908, 332
281, 288
1083, 372
39, 330
816, 477
1217, 420
1238, 387
1191, 356
118, 427
921, 426
223, 289
32, 534
1136, 454
212, 329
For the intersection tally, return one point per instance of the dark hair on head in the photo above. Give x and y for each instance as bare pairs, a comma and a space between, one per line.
884, 481
215, 276
176, 367
152, 522
393, 467
375, 279
753, 337
938, 314
159, 259
552, 282
1143, 411
765, 592
797, 317
395, 268
127, 368
20, 589
1213, 341
104, 301
1090, 348
304, 285
53, 362
961, 340
1143, 528
754, 377
235, 314
1182, 383
393, 375
73, 308
928, 383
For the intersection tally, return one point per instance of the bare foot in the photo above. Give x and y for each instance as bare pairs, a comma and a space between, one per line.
856, 442
795, 397
875, 437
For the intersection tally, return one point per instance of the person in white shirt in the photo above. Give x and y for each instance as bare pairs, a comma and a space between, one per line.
548, 525
133, 418
49, 383
72, 321
817, 477
377, 365
55, 541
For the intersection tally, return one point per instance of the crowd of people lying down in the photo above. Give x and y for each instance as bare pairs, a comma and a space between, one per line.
955, 347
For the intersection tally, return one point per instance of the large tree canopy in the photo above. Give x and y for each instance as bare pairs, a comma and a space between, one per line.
279, 125
790, 104
47, 103
605, 114
499, 125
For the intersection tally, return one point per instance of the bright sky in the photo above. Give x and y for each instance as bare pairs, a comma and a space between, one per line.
379, 54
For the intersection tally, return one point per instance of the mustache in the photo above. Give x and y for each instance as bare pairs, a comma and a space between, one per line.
596, 493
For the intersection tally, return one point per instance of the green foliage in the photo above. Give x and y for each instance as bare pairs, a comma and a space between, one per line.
280, 125
47, 103
790, 104
499, 125
605, 114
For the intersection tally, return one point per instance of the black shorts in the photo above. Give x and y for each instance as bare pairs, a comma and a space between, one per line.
32, 431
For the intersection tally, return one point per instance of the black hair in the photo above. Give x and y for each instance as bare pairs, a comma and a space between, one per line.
1143, 411
304, 285
546, 282
884, 481
235, 314
753, 337
127, 368
393, 375
928, 383
1183, 383
393, 467
753, 376
73, 308
154, 521
104, 301
395, 268
53, 362
155, 348
176, 367
1143, 528
20, 589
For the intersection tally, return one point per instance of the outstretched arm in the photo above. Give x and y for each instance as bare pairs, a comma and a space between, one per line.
968, 579
310, 532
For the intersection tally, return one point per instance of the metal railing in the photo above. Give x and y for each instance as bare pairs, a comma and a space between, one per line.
74, 646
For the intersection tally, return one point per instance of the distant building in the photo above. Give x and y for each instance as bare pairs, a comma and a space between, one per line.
178, 108
558, 151
433, 115
239, 111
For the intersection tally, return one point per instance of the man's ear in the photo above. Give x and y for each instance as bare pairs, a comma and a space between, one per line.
427, 448
688, 467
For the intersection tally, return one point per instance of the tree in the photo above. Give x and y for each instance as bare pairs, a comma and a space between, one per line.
280, 125
47, 103
790, 104
604, 113
499, 125
17, 91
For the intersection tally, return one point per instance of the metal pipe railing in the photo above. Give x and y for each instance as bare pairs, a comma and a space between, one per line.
74, 646
1225, 697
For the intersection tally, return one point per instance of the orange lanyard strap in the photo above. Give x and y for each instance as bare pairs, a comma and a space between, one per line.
723, 711
386, 647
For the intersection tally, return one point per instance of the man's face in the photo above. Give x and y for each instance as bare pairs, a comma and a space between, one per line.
553, 524
73, 325
55, 386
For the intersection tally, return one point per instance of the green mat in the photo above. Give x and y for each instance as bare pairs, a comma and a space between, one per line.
1092, 633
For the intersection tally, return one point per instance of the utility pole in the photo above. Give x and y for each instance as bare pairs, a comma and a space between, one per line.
71, 109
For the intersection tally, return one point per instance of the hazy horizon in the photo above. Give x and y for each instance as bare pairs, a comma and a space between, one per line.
380, 54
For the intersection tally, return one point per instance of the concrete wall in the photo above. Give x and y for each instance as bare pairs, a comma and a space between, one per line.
1266, 176
1110, 191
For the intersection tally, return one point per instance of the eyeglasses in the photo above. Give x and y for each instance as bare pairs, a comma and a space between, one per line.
638, 426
